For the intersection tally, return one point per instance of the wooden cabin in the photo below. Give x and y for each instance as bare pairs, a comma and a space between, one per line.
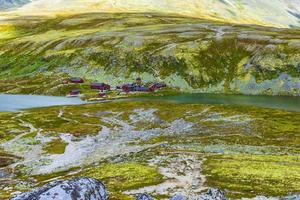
74, 93
157, 86
100, 86
76, 80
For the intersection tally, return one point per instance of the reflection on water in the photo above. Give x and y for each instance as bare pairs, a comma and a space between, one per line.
16, 102
278, 102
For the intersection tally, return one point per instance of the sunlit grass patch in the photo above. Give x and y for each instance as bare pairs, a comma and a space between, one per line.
75, 123
10, 127
126, 176
254, 174
55, 147
7, 32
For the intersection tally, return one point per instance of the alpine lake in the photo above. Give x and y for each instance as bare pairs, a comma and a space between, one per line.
181, 144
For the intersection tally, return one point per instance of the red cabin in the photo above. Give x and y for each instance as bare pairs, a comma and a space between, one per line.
127, 88
157, 86
74, 92
76, 80
100, 86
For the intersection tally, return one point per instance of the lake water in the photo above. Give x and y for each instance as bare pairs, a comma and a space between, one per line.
17, 102
276, 102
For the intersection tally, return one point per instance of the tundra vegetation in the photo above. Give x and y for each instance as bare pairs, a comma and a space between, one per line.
187, 53
159, 147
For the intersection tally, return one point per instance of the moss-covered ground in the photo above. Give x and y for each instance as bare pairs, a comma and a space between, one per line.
130, 145
254, 174
125, 176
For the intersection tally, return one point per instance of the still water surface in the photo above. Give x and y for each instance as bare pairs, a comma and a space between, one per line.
18, 102
276, 102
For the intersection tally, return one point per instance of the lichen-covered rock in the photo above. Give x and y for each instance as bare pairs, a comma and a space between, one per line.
295, 197
76, 189
178, 197
144, 196
3, 173
261, 198
213, 194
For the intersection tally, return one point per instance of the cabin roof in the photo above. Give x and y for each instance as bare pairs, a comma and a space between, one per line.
76, 79
99, 84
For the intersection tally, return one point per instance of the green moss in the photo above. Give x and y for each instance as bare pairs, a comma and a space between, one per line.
10, 127
126, 176
272, 63
120, 196
4, 194
30, 135
74, 123
220, 62
253, 174
55, 147
7, 159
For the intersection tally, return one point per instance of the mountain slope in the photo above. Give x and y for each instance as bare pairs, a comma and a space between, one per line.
188, 53
9, 4
280, 13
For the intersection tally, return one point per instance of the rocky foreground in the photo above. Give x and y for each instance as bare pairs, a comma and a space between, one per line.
92, 189
159, 148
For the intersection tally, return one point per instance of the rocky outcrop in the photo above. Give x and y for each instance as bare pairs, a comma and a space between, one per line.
76, 189
179, 197
3, 173
92, 189
216, 194
295, 197
144, 196
213, 194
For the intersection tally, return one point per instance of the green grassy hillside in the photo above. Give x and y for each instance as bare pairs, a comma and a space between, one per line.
192, 54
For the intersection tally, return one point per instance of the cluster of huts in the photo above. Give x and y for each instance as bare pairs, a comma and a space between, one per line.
103, 88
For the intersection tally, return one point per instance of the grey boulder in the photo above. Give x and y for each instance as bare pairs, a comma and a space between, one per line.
295, 197
144, 196
179, 197
213, 194
76, 189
